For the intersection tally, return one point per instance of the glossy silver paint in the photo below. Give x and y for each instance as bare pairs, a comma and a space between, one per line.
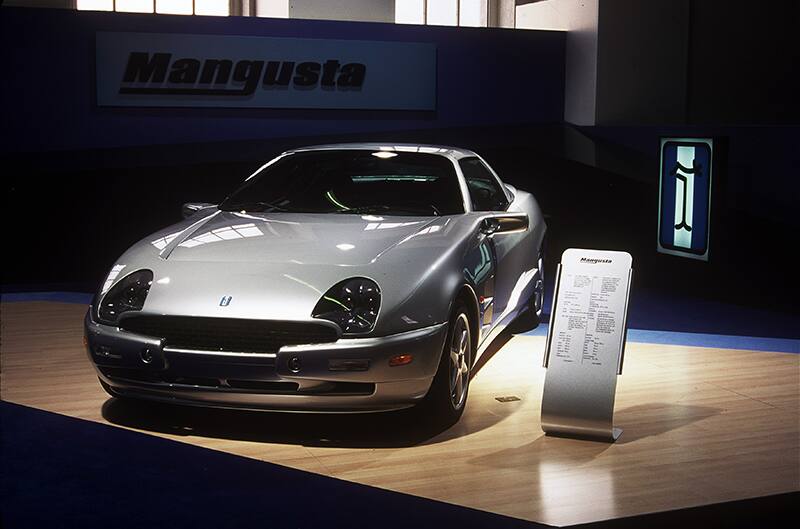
277, 265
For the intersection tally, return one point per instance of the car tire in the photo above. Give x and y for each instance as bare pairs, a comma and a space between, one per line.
532, 317
536, 304
445, 402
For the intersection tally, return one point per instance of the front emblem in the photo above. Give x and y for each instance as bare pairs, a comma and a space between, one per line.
225, 301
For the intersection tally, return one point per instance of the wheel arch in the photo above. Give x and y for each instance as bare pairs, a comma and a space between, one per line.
466, 294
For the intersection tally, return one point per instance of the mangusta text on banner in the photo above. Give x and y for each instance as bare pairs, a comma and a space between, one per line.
161, 70
190, 76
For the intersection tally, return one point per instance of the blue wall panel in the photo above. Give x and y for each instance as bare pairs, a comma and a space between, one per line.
485, 77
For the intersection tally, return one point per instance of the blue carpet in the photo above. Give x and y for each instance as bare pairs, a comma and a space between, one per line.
63, 472
80, 298
653, 318
719, 341
60, 472
663, 311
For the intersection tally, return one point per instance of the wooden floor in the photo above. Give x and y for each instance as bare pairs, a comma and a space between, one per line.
700, 426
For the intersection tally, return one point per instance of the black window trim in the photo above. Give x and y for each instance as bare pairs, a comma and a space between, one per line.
488, 167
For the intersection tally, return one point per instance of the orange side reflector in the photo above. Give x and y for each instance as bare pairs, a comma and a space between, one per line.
400, 360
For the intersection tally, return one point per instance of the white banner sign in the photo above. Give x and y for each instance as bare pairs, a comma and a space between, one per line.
174, 70
585, 343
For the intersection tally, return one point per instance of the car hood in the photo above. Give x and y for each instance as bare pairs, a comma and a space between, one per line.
331, 239
279, 265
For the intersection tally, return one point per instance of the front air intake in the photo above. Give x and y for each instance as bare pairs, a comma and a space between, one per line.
228, 334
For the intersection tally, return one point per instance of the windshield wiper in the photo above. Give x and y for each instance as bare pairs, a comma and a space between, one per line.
364, 209
257, 206
377, 208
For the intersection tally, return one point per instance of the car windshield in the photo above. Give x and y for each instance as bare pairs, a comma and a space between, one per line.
354, 182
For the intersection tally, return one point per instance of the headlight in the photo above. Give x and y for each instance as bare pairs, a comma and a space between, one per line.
352, 304
128, 294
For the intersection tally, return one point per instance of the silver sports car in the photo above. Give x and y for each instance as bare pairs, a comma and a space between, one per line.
348, 278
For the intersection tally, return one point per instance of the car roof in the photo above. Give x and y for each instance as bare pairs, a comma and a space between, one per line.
443, 150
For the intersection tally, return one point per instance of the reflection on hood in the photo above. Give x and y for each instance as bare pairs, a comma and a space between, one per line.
344, 240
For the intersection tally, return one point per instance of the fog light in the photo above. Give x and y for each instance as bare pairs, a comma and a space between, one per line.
104, 351
401, 360
348, 364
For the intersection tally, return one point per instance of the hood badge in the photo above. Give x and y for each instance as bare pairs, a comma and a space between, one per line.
225, 301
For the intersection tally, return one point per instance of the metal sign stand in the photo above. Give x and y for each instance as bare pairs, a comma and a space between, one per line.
586, 344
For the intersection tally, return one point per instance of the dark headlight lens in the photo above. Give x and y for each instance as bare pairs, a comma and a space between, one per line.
128, 294
352, 304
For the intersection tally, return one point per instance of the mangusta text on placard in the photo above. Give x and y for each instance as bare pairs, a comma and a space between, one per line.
140, 69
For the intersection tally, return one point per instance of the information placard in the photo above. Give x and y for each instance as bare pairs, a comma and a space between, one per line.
585, 343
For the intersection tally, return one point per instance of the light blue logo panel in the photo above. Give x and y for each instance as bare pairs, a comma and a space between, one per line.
685, 197
169, 70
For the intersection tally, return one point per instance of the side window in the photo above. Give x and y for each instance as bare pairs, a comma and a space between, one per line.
484, 190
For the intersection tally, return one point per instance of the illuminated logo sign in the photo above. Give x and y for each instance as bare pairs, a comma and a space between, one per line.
174, 70
685, 197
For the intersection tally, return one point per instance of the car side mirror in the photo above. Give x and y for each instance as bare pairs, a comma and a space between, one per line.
504, 223
490, 226
190, 208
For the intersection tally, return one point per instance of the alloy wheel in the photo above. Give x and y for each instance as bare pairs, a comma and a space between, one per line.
460, 351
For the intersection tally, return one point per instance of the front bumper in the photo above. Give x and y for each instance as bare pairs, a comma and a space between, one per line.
349, 375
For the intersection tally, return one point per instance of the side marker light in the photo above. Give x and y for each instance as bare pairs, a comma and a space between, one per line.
401, 360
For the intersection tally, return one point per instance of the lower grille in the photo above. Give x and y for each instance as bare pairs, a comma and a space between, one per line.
228, 334
136, 375
123, 374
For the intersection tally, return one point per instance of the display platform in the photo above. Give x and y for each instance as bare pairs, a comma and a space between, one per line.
703, 425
